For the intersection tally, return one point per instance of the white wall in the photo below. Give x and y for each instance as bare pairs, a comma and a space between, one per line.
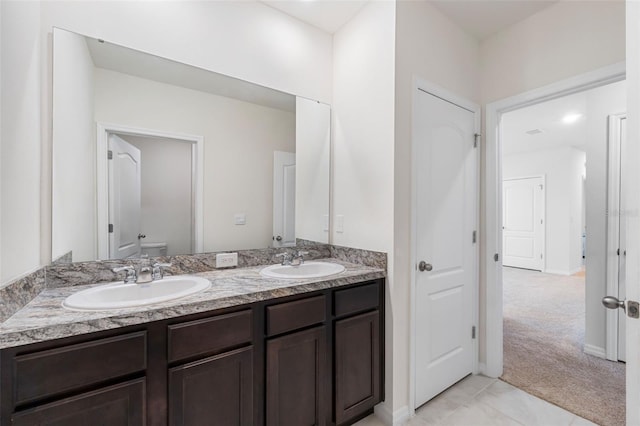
239, 140
563, 207
244, 39
73, 198
21, 137
363, 139
166, 205
564, 40
432, 48
601, 102
313, 145
561, 41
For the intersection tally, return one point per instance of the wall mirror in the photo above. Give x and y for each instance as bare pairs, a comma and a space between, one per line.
152, 156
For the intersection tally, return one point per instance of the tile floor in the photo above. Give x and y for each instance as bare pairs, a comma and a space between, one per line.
480, 401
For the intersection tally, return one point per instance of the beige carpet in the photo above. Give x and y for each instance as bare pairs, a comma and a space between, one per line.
543, 341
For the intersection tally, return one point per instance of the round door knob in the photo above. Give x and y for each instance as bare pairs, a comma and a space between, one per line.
424, 266
278, 238
611, 302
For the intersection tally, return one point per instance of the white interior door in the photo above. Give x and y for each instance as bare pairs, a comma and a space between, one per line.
124, 198
446, 206
622, 258
523, 222
284, 199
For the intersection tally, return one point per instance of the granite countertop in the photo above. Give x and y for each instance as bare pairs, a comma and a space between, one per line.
44, 318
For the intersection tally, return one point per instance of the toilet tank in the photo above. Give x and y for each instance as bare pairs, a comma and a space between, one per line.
154, 249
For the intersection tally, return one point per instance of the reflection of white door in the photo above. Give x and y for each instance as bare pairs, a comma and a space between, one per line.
124, 198
446, 206
284, 199
523, 223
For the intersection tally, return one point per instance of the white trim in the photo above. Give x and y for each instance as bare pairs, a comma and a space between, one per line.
613, 230
595, 351
102, 190
396, 418
493, 194
420, 84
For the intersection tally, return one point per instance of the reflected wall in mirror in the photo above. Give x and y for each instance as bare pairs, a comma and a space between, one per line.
154, 156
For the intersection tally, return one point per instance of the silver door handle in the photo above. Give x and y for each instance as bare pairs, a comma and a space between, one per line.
424, 266
278, 238
611, 302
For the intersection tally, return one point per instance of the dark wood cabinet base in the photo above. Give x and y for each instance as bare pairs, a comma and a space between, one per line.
311, 359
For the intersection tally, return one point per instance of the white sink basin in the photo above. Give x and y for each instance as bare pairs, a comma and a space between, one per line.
119, 295
306, 270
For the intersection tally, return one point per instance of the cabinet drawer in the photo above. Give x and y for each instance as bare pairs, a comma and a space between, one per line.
357, 299
295, 315
122, 404
210, 335
47, 373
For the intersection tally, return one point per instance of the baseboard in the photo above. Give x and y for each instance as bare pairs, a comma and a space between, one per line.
595, 351
559, 272
397, 418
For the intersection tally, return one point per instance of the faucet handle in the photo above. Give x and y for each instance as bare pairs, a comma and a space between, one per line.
131, 276
286, 257
158, 273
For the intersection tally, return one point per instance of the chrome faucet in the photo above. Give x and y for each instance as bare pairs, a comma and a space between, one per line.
131, 276
143, 273
286, 258
299, 257
294, 259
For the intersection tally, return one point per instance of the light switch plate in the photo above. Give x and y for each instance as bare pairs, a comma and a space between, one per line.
240, 219
226, 260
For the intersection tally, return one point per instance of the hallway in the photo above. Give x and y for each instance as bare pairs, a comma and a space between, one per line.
544, 326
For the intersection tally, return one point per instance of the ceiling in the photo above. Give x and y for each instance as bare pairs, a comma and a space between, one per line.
480, 18
328, 15
547, 117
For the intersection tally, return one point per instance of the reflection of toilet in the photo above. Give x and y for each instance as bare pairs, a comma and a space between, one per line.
154, 249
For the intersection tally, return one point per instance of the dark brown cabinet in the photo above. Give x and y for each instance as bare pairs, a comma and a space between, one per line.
122, 404
296, 373
217, 390
357, 365
309, 359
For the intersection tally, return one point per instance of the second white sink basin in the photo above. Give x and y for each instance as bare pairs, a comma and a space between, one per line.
119, 295
306, 270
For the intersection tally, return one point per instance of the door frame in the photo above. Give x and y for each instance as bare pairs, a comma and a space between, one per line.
613, 226
444, 94
492, 247
102, 181
543, 207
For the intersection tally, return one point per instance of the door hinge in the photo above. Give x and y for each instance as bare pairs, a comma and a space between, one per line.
496, 257
476, 140
618, 252
109, 155
474, 237
111, 228
473, 332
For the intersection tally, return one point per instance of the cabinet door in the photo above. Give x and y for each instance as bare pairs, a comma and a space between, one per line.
122, 404
357, 365
296, 375
214, 391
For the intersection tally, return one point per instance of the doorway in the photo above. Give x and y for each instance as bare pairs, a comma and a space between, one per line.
569, 225
163, 217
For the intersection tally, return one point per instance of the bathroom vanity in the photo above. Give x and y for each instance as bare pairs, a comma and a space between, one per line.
277, 352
